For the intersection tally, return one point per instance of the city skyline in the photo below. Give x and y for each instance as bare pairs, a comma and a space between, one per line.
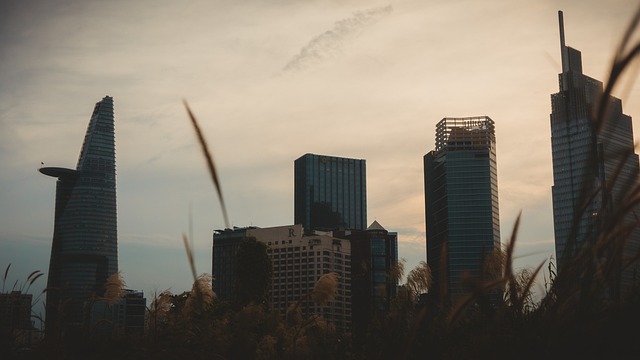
395, 74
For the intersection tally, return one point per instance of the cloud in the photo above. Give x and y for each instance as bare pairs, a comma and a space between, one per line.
332, 42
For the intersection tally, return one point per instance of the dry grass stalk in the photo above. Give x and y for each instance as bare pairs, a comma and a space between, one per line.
114, 288
201, 295
210, 164
189, 250
4, 278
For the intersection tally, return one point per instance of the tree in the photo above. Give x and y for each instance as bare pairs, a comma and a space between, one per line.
419, 279
253, 273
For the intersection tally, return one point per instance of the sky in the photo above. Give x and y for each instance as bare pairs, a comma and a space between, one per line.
271, 80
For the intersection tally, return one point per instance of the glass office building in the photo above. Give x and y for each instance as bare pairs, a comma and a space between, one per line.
330, 193
84, 251
224, 261
374, 259
590, 157
461, 202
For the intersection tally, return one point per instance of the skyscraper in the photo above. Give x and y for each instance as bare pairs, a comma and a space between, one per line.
461, 202
84, 252
223, 260
330, 193
590, 156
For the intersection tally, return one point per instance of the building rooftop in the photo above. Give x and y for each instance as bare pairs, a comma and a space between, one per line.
375, 225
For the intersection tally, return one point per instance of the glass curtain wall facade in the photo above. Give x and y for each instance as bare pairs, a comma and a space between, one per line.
461, 200
224, 262
330, 193
587, 158
374, 258
84, 251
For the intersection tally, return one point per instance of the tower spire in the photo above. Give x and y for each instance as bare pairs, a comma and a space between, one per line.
563, 48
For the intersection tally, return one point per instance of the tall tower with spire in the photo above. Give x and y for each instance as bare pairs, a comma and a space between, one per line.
84, 252
593, 159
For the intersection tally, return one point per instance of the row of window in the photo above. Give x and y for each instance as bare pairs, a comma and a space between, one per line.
275, 253
295, 259
279, 285
281, 267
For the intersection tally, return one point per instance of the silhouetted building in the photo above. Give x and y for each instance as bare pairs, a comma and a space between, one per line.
374, 281
225, 246
15, 310
461, 200
84, 252
586, 159
16, 327
122, 318
133, 309
330, 193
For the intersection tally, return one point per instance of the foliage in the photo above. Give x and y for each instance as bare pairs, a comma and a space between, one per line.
253, 273
114, 288
325, 288
419, 280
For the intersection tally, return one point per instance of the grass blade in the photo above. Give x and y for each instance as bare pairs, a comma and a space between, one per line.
4, 279
189, 250
210, 164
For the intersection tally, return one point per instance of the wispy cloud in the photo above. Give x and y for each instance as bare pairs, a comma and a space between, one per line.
332, 42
